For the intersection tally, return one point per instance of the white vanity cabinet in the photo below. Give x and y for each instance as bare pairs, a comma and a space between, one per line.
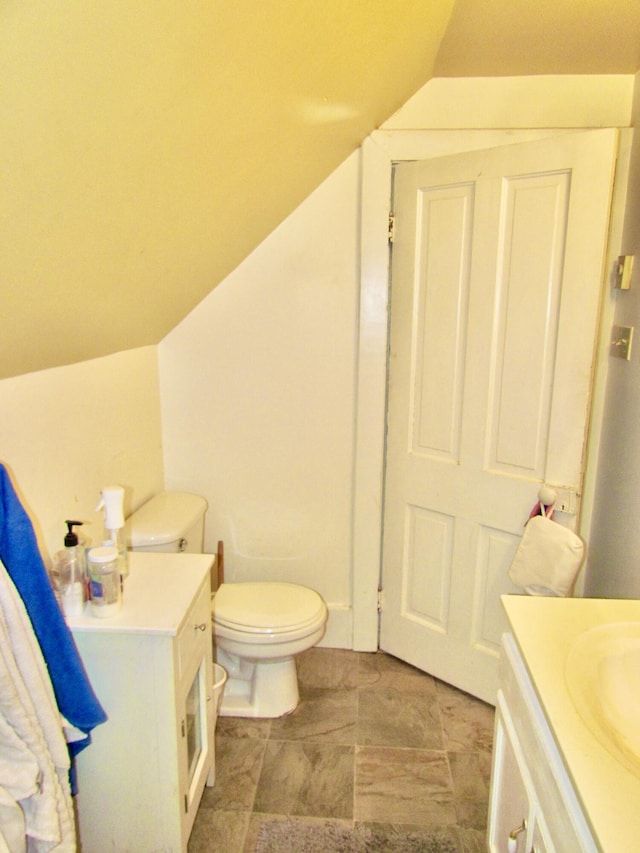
573, 792
141, 779
533, 806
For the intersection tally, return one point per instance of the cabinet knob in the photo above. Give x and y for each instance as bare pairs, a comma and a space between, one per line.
201, 627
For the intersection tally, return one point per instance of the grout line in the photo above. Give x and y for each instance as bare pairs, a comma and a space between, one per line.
356, 738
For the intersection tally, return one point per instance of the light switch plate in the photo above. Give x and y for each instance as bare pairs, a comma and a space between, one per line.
621, 337
624, 270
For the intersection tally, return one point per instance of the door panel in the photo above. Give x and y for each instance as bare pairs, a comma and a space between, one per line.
496, 275
442, 299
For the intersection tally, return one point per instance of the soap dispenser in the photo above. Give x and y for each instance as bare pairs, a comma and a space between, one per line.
112, 501
69, 572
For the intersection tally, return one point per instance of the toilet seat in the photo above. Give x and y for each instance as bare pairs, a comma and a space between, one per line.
258, 629
267, 608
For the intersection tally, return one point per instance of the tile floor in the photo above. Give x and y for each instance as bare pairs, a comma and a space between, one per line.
373, 741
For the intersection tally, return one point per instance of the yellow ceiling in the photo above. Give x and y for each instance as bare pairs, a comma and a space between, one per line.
147, 147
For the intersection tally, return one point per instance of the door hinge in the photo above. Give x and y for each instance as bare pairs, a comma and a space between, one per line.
380, 600
182, 728
186, 804
392, 226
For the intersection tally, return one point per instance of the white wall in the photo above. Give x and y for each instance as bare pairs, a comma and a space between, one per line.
68, 431
258, 384
257, 389
614, 546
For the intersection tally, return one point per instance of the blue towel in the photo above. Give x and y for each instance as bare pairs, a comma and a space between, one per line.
21, 557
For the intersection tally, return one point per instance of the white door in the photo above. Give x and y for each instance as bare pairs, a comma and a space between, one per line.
497, 266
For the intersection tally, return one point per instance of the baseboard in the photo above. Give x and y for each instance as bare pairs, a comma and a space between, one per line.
339, 633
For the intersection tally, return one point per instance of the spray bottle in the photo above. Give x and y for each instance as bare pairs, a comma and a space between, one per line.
112, 501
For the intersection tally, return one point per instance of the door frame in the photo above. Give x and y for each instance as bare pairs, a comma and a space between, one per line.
378, 154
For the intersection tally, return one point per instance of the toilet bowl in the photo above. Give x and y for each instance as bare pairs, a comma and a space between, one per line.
258, 627
258, 630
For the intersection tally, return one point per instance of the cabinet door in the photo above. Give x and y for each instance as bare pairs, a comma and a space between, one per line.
541, 840
511, 808
195, 736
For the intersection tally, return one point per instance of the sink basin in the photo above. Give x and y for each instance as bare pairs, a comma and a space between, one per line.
603, 678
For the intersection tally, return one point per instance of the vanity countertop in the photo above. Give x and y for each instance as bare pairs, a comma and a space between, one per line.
156, 594
545, 630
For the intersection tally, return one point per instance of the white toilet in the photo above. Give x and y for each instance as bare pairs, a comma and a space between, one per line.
258, 628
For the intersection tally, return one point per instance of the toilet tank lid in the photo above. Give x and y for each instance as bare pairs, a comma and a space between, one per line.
163, 519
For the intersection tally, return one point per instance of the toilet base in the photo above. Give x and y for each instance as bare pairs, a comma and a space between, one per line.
265, 688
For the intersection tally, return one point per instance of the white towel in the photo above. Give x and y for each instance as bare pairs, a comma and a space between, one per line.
548, 558
36, 766
13, 837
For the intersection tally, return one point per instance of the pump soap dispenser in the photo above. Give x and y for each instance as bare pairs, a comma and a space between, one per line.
112, 501
68, 572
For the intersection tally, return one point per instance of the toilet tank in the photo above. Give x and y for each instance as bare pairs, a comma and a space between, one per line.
170, 521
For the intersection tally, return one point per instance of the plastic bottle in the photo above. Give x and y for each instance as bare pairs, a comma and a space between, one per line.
112, 501
105, 587
69, 572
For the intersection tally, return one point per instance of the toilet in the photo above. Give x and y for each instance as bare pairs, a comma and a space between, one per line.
258, 627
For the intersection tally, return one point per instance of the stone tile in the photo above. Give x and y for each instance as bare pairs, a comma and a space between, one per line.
472, 812
388, 716
467, 722
378, 669
215, 830
306, 779
403, 786
238, 765
485, 760
330, 668
326, 715
467, 775
249, 727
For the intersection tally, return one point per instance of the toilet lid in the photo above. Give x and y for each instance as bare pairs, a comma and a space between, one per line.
264, 607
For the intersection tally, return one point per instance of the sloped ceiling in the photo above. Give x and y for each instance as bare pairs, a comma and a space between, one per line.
491, 38
147, 147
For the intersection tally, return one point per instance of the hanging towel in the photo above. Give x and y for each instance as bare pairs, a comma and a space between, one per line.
21, 557
34, 759
548, 557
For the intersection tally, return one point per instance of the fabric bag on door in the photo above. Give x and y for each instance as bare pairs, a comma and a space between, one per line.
548, 557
